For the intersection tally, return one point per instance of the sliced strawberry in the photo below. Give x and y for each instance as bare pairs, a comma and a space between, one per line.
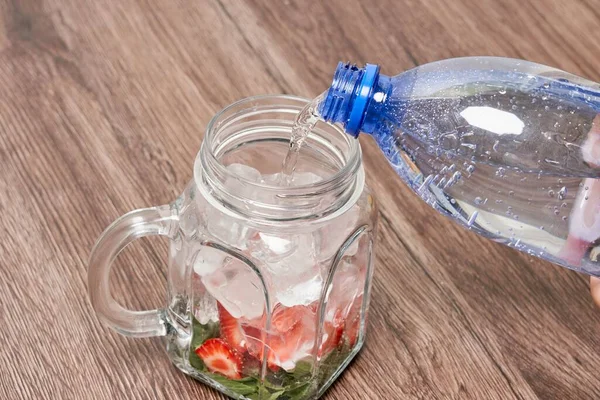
220, 358
353, 321
283, 348
334, 337
290, 338
285, 318
231, 330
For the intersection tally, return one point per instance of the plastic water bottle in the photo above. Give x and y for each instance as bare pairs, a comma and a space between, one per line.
508, 148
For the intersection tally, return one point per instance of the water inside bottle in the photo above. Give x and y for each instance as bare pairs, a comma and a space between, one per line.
517, 167
514, 166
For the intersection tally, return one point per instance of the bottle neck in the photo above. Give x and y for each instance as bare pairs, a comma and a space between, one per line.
356, 98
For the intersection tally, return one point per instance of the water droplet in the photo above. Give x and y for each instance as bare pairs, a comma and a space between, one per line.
516, 216
452, 201
546, 108
556, 124
564, 218
478, 200
533, 100
556, 212
470, 169
509, 207
500, 172
562, 193
586, 197
542, 227
511, 193
495, 146
498, 201
546, 85
473, 218
451, 168
559, 107
502, 91
587, 188
514, 107
551, 193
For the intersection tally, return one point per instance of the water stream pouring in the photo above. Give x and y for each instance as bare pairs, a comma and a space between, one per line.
508, 148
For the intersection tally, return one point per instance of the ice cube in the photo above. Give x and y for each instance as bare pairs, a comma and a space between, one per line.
208, 260
333, 235
229, 230
237, 287
294, 276
305, 178
244, 171
349, 279
290, 293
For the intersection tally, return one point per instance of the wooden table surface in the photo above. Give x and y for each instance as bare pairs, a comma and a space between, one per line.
103, 108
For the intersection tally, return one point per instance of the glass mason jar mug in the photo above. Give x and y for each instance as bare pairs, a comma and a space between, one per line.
268, 281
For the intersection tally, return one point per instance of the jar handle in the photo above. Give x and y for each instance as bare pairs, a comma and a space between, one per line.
152, 221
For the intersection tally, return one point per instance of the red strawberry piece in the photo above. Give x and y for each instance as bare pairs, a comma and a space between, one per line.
353, 321
231, 330
334, 337
292, 330
220, 358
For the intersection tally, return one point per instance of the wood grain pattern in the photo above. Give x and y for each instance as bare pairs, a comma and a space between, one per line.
103, 108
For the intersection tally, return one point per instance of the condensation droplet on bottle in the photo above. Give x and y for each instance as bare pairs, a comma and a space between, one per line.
556, 212
495, 146
511, 193
500, 172
502, 91
564, 218
551, 193
562, 193
542, 228
473, 218
514, 107
586, 197
470, 168
478, 200
509, 207
498, 201
546, 108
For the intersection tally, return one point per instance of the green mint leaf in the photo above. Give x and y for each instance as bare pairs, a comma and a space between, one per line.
201, 332
245, 386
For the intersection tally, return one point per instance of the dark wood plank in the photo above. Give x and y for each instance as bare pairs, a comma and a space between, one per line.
103, 109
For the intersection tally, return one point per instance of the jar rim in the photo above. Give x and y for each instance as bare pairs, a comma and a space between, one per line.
215, 172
